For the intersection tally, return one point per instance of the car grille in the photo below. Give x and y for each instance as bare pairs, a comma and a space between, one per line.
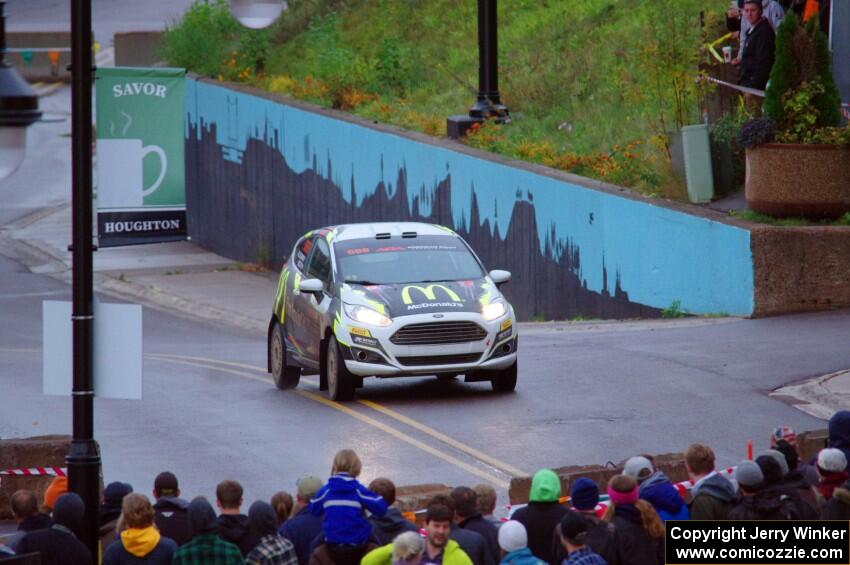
437, 333
439, 359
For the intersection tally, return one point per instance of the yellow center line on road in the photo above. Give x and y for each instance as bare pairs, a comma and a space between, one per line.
469, 450
210, 364
510, 469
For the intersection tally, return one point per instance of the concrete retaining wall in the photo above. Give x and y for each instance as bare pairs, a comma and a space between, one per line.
262, 170
801, 269
43, 451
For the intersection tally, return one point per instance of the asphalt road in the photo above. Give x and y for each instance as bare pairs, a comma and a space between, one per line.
585, 395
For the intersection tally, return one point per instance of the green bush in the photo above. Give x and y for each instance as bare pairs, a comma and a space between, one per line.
801, 94
202, 39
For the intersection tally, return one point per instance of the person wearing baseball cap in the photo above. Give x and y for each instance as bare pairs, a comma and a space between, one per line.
171, 513
303, 527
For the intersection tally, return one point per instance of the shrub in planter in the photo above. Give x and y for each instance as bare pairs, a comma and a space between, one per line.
798, 159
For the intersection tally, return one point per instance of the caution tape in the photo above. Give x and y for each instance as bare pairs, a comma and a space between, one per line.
36, 472
710, 47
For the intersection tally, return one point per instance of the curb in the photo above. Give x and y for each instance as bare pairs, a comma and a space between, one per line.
813, 397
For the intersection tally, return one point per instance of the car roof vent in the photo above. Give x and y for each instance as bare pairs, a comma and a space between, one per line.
382, 236
409, 234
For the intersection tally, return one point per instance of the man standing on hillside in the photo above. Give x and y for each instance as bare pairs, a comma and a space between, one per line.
759, 46
773, 12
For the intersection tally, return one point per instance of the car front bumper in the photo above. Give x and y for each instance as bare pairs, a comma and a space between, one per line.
379, 355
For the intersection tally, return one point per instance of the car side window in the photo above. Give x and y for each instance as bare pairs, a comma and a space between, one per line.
302, 251
320, 262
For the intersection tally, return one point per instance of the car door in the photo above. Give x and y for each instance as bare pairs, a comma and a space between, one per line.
319, 267
296, 320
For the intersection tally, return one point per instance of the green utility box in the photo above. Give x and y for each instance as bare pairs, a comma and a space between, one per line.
696, 149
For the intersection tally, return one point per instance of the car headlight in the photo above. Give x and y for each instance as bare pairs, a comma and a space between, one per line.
366, 315
494, 310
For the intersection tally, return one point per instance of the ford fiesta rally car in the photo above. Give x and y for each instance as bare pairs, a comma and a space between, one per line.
389, 300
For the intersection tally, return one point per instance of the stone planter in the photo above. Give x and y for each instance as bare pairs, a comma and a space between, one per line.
788, 180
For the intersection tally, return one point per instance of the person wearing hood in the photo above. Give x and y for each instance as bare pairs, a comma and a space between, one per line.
513, 542
831, 467
171, 516
638, 530
110, 510
712, 496
342, 502
206, 546
542, 513
584, 497
24, 506
271, 548
303, 528
387, 527
758, 502
656, 488
468, 517
58, 486
59, 544
575, 529
839, 433
232, 524
140, 542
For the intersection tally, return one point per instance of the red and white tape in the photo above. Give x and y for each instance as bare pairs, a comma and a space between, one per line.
36, 472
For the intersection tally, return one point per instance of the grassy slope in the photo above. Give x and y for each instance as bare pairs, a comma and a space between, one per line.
591, 84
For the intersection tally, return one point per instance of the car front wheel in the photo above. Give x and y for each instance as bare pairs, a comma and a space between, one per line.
340, 380
284, 377
505, 379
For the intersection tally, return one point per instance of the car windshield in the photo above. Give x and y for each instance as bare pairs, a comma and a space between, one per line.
406, 260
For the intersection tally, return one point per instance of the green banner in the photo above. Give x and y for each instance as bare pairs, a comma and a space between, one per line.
140, 155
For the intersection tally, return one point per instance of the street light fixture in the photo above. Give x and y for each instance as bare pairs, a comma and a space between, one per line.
488, 103
257, 14
18, 109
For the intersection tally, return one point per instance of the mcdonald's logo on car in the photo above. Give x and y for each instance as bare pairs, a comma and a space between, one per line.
428, 292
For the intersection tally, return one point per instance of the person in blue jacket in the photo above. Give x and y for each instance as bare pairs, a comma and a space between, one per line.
655, 488
342, 502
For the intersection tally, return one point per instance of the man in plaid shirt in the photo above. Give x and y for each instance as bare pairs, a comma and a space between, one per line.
574, 528
272, 549
205, 547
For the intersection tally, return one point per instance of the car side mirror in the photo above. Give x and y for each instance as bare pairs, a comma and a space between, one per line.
312, 286
500, 277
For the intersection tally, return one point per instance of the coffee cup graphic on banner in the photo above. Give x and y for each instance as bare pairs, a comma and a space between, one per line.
120, 178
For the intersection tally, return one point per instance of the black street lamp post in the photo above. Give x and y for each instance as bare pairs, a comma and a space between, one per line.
83, 459
488, 103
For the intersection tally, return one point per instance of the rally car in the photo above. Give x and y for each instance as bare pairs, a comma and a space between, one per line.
389, 300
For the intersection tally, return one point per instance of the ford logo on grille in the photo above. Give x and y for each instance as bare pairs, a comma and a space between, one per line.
438, 315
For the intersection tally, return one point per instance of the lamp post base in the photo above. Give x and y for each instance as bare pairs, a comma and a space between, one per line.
83, 463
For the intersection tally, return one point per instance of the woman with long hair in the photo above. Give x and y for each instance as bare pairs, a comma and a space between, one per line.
638, 530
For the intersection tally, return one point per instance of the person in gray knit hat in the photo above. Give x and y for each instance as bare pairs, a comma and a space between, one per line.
757, 502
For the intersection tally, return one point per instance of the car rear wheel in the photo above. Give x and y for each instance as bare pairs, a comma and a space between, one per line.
505, 379
340, 380
285, 377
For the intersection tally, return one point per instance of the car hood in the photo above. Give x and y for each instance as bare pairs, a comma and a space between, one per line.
423, 298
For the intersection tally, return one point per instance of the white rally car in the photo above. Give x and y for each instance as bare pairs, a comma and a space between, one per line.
389, 300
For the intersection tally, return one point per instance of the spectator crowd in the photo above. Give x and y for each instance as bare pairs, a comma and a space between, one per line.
342, 522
